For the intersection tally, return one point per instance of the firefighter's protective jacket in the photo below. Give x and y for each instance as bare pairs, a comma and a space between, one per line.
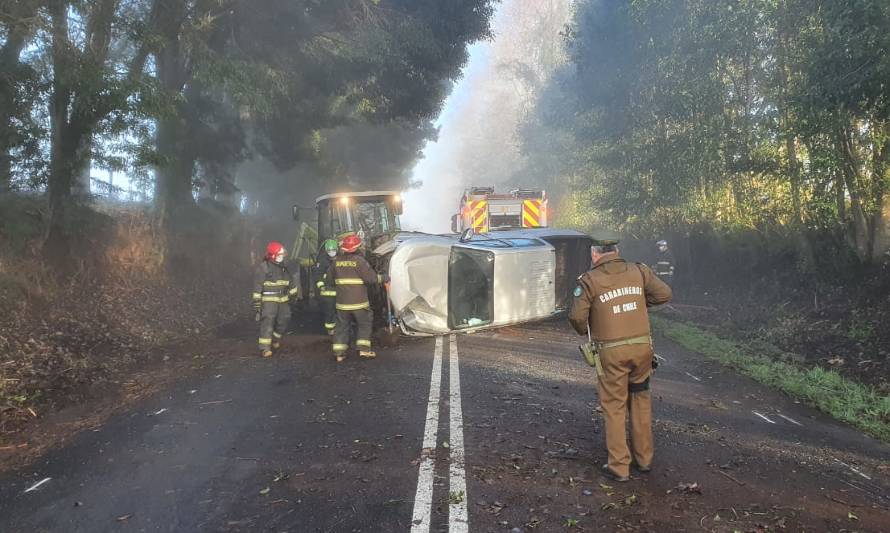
273, 282
324, 285
352, 274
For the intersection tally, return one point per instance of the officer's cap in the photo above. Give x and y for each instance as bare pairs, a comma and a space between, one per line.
604, 242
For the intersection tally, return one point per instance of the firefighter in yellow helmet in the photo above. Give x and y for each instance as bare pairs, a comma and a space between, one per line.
273, 287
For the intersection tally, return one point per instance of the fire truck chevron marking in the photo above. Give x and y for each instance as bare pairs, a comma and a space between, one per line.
531, 213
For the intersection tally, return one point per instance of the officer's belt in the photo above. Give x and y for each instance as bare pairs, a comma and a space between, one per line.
644, 339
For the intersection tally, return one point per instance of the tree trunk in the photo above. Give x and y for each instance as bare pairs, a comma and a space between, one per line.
173, 179
881, 220
861, 231
81, 185
792, 165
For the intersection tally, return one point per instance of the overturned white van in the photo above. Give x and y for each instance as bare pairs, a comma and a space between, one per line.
441, 284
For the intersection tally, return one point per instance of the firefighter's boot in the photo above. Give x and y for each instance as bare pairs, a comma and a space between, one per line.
266, 353
367, 354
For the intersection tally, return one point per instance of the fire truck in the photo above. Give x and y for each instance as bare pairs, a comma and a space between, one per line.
483, 210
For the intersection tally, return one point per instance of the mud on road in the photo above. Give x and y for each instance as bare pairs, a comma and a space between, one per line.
496, 431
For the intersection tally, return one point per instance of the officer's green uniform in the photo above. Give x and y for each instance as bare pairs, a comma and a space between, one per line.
273, 287
611, 300
326, 290
352, 275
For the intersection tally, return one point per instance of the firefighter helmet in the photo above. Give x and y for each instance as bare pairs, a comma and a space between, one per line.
662, 242
351, 243
273, 249
330, 245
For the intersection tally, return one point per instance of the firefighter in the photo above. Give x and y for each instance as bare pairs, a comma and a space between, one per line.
664, 262
610, 304
327, 292
273, 287
351, 275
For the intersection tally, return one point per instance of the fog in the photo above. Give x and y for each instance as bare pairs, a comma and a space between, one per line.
477, 142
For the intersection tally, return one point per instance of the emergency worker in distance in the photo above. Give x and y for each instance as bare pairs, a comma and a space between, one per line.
611, 300
326, 290
273, 287
351, 275
664, 261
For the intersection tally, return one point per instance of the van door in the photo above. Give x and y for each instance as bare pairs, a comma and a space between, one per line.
470, 288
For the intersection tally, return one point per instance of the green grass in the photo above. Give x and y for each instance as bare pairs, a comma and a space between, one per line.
854, 403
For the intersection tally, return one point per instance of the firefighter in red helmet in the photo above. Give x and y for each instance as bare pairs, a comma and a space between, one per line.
273, 288
352, 274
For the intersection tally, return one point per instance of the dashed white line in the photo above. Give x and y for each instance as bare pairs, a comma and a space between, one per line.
763, 417
693, 377
38, 484
457, 496
423, 498
854, 469
793, 421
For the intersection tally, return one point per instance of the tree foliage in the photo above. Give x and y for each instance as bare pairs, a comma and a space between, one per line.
178, 93
768, 115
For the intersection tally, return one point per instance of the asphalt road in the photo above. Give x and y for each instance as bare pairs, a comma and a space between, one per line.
487, 432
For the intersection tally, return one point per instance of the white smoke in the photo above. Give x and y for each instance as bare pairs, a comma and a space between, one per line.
477, 142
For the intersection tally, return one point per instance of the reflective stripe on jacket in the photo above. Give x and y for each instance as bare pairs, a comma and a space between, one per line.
273, 283
351, 275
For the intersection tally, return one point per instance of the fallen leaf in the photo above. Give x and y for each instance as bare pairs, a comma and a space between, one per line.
689, 488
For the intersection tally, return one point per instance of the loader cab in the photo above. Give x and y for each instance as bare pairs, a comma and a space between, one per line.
367, 214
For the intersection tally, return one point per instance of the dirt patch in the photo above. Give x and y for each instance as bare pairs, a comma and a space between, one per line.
840, 330
78, 327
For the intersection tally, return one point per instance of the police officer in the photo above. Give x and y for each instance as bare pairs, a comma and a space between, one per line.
273, 287
352, 275
327, 292
610, 304
664, 261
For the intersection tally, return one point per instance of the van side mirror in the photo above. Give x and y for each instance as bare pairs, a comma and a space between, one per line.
467, 235
296, 212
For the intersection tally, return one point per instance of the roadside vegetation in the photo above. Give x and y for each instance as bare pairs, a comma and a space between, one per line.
149, 149
854, 403
755, 138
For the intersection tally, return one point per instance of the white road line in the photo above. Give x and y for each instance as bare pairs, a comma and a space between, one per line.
38, 484
763, 417
793, 421
423, 498
457, 495
853, 468
693, 377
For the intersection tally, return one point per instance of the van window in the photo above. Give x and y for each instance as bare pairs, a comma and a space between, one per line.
470, 288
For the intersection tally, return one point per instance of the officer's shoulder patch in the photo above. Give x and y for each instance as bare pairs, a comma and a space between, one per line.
578, 291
